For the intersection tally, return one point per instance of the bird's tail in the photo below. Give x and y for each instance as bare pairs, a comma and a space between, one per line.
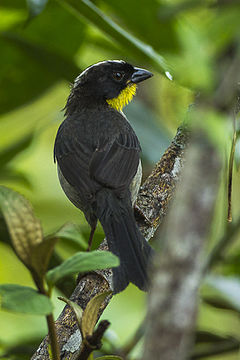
124, 240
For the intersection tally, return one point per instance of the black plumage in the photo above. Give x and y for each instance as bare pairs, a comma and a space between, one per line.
97, 153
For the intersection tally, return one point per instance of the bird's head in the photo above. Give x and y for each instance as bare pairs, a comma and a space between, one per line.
113, 82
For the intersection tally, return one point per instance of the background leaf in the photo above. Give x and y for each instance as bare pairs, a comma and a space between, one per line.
228, 287
36, 55
24, 299
92, 13
71, 232
15, 149
24, 228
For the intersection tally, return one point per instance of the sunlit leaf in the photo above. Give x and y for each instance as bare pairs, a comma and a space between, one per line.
25, 230
83, 262
90, 314
24, 299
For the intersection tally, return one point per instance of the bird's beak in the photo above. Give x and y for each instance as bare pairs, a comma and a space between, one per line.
140, 75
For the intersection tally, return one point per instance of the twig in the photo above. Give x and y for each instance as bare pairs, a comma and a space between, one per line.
93, 342
53, 337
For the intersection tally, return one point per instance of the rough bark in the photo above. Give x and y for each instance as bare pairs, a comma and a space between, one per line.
178, 268
151, 207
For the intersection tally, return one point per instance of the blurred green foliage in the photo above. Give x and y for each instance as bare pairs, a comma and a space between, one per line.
44, 45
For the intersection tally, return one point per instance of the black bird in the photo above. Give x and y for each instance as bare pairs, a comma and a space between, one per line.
97, 153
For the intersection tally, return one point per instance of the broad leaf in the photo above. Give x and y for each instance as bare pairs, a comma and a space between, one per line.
14, 149
78, 311
83, 262
71, 232
25, 230
24, 299
208, 337
93, 14
41, 54
90, 314
61, 66
41, 254
219, 302
161, 35
227, 287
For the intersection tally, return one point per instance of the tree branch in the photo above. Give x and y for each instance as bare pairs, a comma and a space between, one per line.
178, 268
151, 207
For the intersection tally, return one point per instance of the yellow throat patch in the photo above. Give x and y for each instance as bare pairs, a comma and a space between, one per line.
123, 98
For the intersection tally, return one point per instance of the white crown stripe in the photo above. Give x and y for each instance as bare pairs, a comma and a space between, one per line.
95, 65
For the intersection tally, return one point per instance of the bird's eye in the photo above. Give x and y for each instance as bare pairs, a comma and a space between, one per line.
117, 76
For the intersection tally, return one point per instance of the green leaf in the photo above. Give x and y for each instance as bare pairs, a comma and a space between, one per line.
153, 136
36, 6
41, 54
161, 35
41, 254
14, 149
208, 337
8, 174
90, 314
227, 287
61, 67
78, 311
24, 299
25, 230
83, 262
86, 9
219, 302
71, 232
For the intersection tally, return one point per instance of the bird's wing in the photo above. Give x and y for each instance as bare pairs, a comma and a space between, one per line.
73, 158
114, 165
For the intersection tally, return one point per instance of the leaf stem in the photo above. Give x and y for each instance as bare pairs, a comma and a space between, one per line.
55, 352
